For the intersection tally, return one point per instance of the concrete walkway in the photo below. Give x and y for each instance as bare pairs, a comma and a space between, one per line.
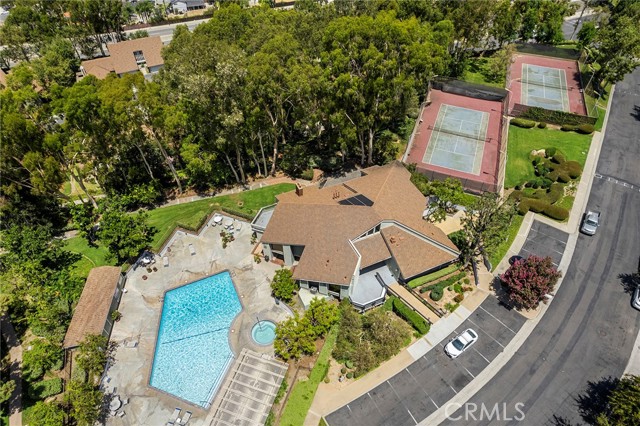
15, 361
413, 301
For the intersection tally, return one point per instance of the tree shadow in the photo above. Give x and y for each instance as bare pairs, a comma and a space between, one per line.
636, 112
593, 401
561, 421
630, 281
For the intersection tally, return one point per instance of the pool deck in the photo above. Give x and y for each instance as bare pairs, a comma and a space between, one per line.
135, 333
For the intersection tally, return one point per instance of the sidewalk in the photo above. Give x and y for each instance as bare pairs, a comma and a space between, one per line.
15, 361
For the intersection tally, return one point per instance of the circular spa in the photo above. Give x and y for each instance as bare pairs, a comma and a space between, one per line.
263, 332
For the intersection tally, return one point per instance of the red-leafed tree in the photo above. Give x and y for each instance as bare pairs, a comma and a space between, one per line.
529, 280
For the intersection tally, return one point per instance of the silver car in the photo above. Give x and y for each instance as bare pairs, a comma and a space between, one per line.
590, 223
635, 302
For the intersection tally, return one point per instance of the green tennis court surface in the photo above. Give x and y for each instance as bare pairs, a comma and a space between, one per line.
457, 140
545, 87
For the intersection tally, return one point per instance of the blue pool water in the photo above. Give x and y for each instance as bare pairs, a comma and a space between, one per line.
192, 349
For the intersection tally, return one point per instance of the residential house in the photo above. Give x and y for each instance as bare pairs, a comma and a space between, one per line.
356, 238
184, 6
139, 55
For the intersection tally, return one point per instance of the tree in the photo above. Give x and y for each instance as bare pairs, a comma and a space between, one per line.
623, 404
92, 355
57, 65
144, 9
388, 333
587, 34
124, 234
294, 337
138, 34
283, 285
506, 22
486, 224
321, 316
501, 62
528, 281
85, 402
47, 414
447, 193
42, 357
6, 390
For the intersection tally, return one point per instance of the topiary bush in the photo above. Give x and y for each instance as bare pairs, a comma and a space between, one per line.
550, 152
542, 125
556, 212
436, 294
573, 168
568, 128
586, 129
564, 178
525, 124
466, 280
537, 206
523, 206
556, 192
558, 158
459, 298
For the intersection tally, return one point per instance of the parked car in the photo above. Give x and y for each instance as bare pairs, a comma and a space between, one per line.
590, 222
635, 302
457, 346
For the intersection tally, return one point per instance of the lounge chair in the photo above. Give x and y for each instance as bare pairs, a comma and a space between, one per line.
174, 417
165, 261
238, 226
121, 414
192, 249
185, 419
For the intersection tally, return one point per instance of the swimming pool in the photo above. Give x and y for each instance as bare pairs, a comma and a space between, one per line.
192, 349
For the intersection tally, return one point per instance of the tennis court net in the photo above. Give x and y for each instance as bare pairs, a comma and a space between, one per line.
462, 134
541, 84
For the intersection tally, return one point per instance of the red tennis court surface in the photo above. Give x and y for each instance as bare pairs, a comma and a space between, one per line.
514, 85
487, 179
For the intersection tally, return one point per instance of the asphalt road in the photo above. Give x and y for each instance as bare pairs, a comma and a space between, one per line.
432, 380
588, 333
166, 31
544, 240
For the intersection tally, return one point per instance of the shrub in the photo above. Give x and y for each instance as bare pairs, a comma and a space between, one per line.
348, 363
536, 206
343, 370
307, 174
436, 294
349, 375
459, 298
550, 152
542, 125
521, 122
556, 212
556, 192
564, 178
283, 285
457, 288
523, 206
558, 158
516, 195
412, 317
553, 176
568, 128
44, 389
530, 280
586, 129
573, 168
466, 281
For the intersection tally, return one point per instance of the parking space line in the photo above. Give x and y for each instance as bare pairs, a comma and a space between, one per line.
551, 236
485, 332
504, 325
488, 362
465, 369
374, 403
414, 419
418, 383
434, 403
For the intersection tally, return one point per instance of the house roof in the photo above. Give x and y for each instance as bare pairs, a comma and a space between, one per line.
326, 220
93, 307
373, 249
122, 59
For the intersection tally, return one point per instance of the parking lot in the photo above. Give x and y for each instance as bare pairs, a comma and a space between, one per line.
417, 391
544, 240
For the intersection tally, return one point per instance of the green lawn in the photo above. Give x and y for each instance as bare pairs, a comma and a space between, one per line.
190, 215
478, 72
302, 394
433, 276
522, 141
91, 256
502, 249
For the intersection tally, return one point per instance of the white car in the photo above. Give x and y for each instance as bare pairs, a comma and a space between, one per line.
635, 302
457, 346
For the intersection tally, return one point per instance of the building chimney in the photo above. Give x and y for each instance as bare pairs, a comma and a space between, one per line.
299, 189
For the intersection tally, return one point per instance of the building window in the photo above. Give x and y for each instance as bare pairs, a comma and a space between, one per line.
334, 289
139, 56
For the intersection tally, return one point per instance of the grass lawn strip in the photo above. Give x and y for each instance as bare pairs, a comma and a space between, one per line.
573, 146
91, 256
433, 276
303, 392
189, 215
502, 249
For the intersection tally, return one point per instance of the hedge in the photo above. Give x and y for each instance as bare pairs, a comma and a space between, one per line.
44, 389
412, 317
417, 282
550, 152
558, 158
555, 117
542, 125
238, 213
569, 128
444, 283
525, 124
556, 212
573, 168
586, 129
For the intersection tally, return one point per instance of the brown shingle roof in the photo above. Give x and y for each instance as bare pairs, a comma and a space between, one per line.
373, 249
122, 53
122, 59
92, 310
413, 254
100, 67
324, 221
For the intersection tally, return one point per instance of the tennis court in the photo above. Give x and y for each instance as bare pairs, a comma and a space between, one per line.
457, 139
545, 87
